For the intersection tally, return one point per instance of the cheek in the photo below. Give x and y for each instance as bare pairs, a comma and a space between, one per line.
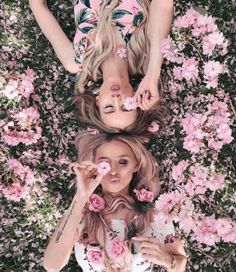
126, 175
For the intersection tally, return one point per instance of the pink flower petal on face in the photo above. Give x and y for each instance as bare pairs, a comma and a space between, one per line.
104, 168
130, 103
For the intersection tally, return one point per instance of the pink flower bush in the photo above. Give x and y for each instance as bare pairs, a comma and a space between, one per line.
130, 103
23, 128
118, 248
18, 180
205, 39
95, 254
96, 203
211, 129
144, 195
104, 168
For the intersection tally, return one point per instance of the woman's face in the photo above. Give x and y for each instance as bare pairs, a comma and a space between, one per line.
123, 164
110, 103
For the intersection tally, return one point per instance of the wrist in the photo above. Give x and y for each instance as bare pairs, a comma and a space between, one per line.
171, 263
153, 75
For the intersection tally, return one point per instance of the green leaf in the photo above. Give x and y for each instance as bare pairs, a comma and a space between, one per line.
117, 14
201, 10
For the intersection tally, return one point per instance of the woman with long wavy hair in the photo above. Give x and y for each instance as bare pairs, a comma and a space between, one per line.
116, 51
110, 222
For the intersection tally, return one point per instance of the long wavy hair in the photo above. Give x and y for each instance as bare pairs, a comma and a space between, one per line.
102, 44
95, 225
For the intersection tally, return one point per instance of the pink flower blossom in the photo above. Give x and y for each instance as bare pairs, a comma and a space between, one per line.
104, 168
118, 248
95, 254
144, 195
190, 69
96, 203
206, 231
11, 90
167, 49
130, 103
178, 170
15, 192
154, 127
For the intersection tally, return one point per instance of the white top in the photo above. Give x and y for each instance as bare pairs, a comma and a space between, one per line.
138, 263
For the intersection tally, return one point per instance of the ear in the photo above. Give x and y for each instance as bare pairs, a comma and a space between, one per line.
136, 168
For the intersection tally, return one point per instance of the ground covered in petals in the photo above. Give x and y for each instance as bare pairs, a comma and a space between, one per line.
196, 150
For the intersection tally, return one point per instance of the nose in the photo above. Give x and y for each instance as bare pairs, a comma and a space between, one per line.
114, 168
115, 94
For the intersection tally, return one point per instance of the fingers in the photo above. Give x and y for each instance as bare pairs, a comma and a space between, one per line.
147, 239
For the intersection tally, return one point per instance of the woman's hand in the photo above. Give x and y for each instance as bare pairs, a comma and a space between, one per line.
154, 251
88, 177
147, 94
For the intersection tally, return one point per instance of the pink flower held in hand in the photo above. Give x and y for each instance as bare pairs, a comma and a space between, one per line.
118, 248
144, 195
95, 254
96, 203
154, 127
130, 103
104, 168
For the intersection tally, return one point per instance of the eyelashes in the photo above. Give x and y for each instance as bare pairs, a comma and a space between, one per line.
124, 162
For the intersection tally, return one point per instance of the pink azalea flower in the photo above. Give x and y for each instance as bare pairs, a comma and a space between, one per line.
11, 90
178, 170
95, 254
118, 248
154, 127
190, 69
15, 192
144, 195
96, 203
130, 103
104, 168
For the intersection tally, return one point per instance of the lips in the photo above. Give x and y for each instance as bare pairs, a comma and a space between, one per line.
114, 179
115, 87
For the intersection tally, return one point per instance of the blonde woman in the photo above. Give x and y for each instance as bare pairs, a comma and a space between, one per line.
117, 45
110, 222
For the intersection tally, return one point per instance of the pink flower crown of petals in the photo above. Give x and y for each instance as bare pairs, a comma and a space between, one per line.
104, 168
96, 203
130, 103
144, 195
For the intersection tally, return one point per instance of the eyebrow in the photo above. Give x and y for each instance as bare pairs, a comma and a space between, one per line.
121, 156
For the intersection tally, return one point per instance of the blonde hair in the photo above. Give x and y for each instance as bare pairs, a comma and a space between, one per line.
147, 177
102, 45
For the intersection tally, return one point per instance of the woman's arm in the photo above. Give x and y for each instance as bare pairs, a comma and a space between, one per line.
59, 249
160, 20
54, 33
60, 246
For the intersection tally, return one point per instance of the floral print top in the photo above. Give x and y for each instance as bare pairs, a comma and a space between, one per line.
90, 257
127, 16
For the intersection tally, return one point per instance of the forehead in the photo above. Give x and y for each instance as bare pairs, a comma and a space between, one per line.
114, 148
